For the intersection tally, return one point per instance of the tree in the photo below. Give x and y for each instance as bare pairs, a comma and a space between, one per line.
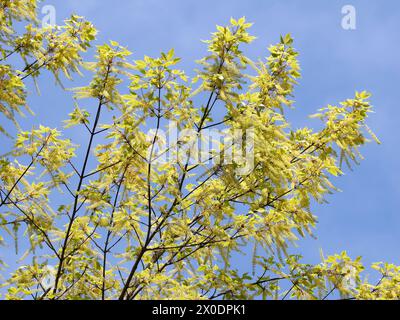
119, 223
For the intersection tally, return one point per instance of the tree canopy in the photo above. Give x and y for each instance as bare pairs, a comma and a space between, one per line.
116, 222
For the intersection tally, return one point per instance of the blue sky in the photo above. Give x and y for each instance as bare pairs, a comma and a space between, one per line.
362, 219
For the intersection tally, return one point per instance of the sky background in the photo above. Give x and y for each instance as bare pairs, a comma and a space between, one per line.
362, 219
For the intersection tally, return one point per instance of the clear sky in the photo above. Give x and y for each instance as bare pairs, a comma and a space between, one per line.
362, 219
